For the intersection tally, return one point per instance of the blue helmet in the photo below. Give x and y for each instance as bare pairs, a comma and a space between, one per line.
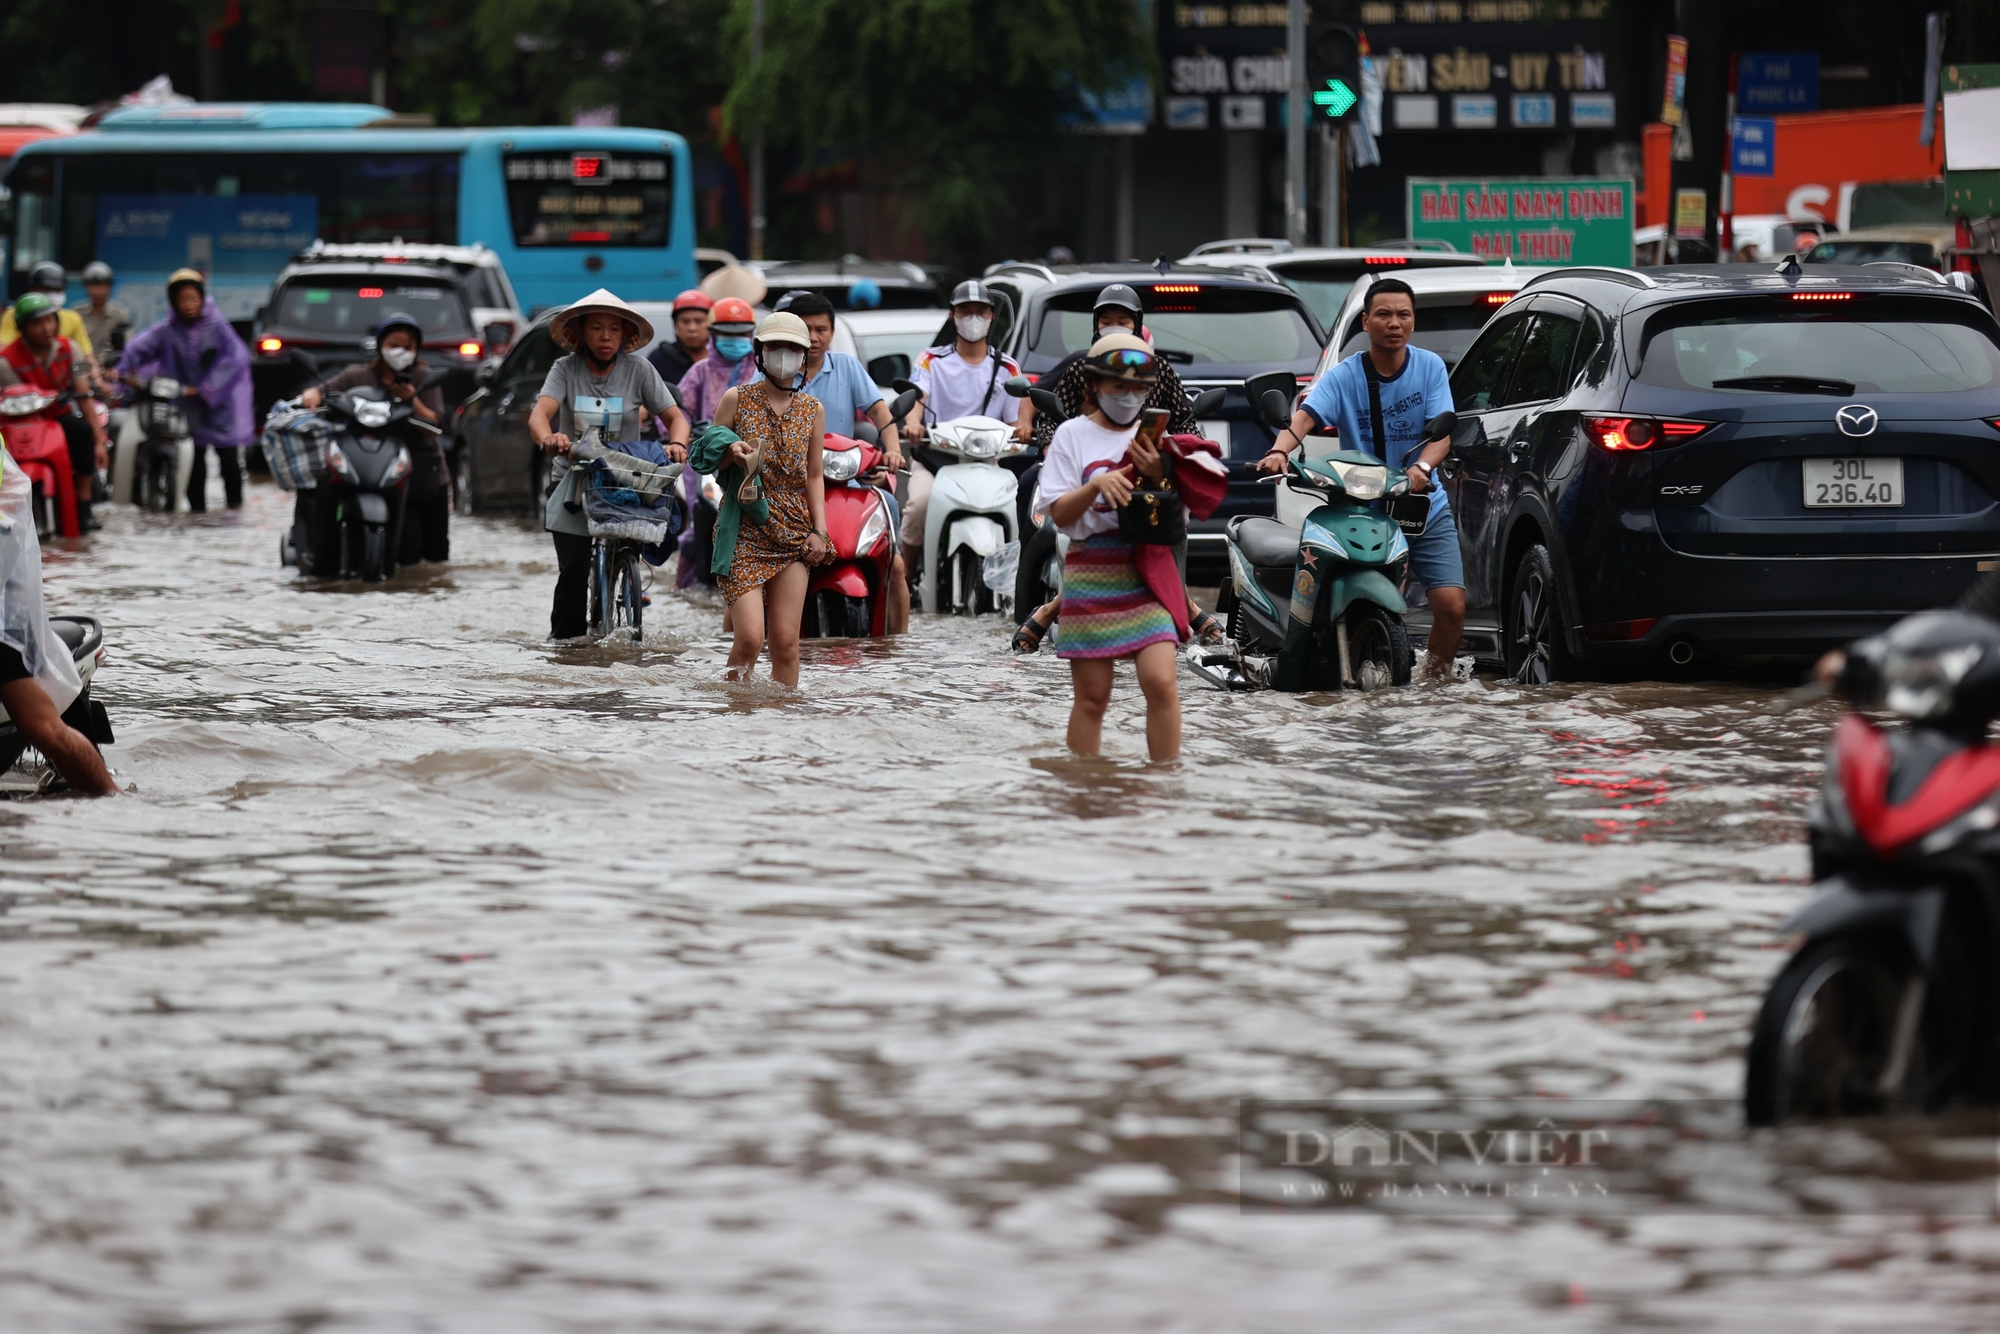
865, 294
399, 319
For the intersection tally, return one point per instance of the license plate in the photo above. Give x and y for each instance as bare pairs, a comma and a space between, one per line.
1853, 483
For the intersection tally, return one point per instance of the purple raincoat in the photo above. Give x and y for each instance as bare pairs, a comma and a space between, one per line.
206, 353
709, 379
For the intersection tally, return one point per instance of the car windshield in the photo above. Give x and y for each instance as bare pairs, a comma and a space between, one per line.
339, 305
1192, 324
1445, 330
1874, 252
1884, 350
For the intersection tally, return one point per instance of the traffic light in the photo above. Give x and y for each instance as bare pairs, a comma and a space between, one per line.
1333, 70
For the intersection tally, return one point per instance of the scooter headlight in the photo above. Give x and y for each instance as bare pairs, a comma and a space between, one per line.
982, 444
399, 468
372, 412
337, 461
164, 387
873, 532
22, 405
841, 465
1364, 482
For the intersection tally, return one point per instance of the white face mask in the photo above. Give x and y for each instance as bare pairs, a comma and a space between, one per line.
60, 298
399, 358
972, 328
1121, 408
782, 364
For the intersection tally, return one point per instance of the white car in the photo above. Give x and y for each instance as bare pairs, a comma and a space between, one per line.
1324, 275
1453, 305
496, 311
888, 342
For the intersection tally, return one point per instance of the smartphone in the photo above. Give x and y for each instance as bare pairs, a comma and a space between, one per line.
1152, 425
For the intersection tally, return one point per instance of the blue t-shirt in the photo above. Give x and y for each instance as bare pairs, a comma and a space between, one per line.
844, 389
1419, 392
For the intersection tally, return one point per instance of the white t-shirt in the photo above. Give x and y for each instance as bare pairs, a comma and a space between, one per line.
953, 389
1079, 450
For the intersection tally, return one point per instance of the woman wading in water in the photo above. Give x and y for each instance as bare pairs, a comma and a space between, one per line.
1109, 611
777, 461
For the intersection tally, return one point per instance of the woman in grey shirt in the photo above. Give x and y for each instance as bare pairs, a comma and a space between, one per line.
603, 382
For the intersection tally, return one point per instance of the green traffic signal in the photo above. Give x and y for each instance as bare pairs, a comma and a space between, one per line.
1336, 97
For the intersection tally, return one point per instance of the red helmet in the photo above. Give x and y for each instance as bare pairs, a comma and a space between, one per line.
693, 299
732, 310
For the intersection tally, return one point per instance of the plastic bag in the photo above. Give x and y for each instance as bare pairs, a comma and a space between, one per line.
294, 442
998, 570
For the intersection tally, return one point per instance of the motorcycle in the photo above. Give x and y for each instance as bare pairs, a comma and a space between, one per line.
155, 453
1892, 1001
35, 441
353, 527
845, 597
85, 638
971, 512
1320, 606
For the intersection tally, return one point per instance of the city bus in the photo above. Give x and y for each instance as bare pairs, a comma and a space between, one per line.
235, 189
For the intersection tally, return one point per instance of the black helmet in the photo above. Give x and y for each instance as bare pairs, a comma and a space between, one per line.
47, 277
1118, 297
398, 320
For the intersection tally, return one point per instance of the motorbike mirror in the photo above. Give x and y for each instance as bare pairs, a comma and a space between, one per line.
866, 433
368, 346
1277, 409
1046, 403
905, 387
434, 378
1440, 426
1017, 386
904, 401
1207, 401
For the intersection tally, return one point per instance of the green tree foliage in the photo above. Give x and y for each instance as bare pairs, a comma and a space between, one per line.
959, 94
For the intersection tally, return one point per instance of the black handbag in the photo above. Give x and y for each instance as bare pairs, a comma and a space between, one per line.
1154, 516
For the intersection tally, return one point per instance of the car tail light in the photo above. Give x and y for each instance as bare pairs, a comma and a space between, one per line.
471, 351
1384, 261
1617, 630
1498, 298
1994, 422
1303, 380
1181, 288
1822, 296
1630, 434
270, 345
370, 294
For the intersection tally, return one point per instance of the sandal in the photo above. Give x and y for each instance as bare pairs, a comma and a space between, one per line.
1029, 637
1208, 631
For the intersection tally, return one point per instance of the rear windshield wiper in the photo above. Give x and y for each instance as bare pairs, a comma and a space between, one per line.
1788, 384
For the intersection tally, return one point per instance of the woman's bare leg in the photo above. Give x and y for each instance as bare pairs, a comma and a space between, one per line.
1090, 681
747, 622
784, 607
1157, 666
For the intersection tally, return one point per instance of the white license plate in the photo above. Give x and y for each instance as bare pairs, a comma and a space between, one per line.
1853, 483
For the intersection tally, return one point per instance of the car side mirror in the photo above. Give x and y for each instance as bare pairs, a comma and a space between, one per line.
1017, 386
1440, 426
1206, 402
1277, 409
1046, 403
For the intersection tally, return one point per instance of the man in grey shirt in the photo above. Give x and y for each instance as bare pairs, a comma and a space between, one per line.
603, 382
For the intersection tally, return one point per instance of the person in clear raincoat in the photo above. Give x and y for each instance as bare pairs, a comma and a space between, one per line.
38, 678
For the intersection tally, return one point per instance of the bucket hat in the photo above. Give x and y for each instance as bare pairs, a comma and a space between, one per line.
1122, 357
563, 328
781, 326
737, 281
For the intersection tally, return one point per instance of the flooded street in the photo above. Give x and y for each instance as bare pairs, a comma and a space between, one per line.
433, 979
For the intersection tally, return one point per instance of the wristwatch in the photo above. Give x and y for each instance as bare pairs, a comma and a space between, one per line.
1428, 469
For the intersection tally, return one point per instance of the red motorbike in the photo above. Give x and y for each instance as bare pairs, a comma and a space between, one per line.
847, 597
1892, 1002
36, 442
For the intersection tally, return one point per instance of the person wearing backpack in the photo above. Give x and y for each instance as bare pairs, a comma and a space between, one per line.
1377, 401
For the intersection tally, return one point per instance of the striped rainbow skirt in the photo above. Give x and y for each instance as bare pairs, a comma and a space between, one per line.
1107, 610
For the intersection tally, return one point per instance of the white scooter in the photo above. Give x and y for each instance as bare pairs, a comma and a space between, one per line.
971, 512
155, 454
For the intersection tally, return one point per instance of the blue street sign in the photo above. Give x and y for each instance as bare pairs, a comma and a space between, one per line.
1753, 146
1781, 82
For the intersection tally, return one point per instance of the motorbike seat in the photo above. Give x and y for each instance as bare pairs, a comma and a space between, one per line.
1265, 542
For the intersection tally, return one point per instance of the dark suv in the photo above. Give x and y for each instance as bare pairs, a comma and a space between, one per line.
1217, 327
1721, 461
322, 315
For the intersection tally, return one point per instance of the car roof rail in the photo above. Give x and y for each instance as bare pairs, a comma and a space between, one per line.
1243, 245
1033, 266
1629, 277
1906, 270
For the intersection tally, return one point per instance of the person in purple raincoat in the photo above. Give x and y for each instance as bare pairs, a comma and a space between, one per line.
196, 346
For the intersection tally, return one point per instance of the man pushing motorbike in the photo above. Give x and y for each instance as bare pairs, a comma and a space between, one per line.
1377, 401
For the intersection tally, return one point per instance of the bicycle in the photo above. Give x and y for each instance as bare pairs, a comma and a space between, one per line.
617, 587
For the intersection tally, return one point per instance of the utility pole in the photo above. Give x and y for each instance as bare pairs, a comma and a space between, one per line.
756, 138
1295, 123
1330, 171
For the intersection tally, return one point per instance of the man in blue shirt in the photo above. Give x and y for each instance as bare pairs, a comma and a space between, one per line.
1413, 387
848, 393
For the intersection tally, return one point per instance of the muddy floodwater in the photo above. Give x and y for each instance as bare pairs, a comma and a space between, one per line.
435, 979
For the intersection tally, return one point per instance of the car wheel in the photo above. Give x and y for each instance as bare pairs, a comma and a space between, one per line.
1535, 654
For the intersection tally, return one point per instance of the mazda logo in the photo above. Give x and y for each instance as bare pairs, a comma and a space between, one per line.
1856, 419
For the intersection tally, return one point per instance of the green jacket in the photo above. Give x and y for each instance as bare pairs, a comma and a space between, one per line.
707, 453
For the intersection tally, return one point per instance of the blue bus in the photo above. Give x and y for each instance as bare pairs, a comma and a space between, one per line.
234, 189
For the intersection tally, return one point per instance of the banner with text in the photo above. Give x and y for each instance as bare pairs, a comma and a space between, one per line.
1540, 220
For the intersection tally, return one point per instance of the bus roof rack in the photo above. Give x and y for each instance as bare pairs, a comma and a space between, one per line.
1629, 277
246, 116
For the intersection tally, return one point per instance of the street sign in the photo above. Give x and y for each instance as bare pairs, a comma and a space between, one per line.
1336, 99
1690, 215
1753, 143
1547, 220
1677, 81
1784, 82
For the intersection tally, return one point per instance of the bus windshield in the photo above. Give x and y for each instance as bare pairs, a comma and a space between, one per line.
588, 199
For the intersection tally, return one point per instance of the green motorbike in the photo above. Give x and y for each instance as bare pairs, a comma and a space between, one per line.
1320, 606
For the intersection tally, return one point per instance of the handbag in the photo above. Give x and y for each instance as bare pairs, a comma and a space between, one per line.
1155, 515
562, 512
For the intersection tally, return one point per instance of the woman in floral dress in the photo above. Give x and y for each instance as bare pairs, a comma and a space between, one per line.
766, 582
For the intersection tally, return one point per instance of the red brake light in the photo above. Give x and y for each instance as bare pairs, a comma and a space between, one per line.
586, 168
1614, 630
268, 345
1630, 434
586, 237
1994, 422
472, 350
1176, 287
1498, 298
1677, 431
1822, 296
394, 259
370, 294
1303, 380
1376, 261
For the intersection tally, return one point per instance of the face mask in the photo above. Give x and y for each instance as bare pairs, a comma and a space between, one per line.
972, 328
1121, 408
60, 298
782, 364
732, 349
399, 358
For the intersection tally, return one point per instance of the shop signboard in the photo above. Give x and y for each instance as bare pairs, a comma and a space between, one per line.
1538, 220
